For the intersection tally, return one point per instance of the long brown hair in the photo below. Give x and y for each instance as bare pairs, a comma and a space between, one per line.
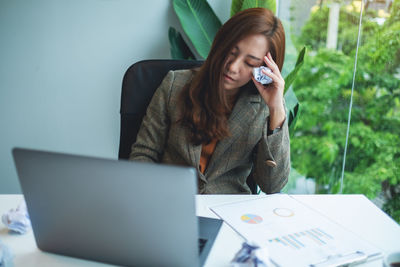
204, 101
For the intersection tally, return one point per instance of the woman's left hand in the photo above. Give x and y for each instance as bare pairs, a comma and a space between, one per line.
272, 93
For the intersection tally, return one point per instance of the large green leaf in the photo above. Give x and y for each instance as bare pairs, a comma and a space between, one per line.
292, 103
294, 115
299, 63
199, 22
239, 5
293, 107
236, 6
270, 4
179, 48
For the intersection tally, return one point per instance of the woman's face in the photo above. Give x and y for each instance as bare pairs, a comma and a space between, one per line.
246, 55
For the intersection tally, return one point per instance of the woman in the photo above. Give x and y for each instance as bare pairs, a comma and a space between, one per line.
218, 119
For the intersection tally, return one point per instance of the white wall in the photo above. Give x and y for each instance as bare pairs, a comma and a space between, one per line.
61, 68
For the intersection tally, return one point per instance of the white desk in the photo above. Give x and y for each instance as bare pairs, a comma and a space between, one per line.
355, 212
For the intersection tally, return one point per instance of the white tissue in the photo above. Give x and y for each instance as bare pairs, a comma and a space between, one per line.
17, 220
260, 76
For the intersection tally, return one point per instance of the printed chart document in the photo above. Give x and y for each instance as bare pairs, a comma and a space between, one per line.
295, 234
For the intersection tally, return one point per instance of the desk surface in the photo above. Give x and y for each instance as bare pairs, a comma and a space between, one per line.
355, 212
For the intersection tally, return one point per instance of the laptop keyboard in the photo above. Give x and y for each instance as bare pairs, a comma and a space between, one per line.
202, 243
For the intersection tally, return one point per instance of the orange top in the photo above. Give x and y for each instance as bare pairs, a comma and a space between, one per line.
208, 149
206, 152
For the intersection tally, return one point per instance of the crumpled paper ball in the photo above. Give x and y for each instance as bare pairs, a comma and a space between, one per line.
260, 77
251, 255
17, 220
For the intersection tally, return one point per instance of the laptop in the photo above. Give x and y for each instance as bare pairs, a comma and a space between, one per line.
119, 212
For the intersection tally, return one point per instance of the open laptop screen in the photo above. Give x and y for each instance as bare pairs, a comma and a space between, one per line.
111, 211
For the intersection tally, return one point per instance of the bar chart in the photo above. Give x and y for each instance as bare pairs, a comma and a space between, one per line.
302, 239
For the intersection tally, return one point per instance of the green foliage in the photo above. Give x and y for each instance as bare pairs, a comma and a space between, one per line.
199, 22
394, 12
314, 33
299, 63
381, 54
292, 103
293, 109
317, 148
392, 207
323, 86
373, 158
179, 49
239, 5
236, 6
323, 89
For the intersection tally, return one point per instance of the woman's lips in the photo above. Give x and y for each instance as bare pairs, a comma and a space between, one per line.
228, 78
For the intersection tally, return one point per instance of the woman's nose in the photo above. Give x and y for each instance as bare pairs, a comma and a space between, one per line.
234, 66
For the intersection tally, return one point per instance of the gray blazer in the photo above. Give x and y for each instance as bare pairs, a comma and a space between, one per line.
161, 139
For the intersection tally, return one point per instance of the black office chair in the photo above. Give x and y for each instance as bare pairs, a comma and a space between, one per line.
138, 86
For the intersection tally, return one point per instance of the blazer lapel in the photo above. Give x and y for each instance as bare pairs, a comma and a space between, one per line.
242, 114
194, 154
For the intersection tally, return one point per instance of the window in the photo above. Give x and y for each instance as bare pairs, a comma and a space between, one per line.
325, 90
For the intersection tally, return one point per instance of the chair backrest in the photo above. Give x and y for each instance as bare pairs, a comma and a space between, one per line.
138, 86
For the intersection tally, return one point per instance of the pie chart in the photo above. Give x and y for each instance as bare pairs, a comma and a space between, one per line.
251, 219
283, 212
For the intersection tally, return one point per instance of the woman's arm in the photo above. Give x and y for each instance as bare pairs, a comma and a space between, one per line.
153, 133
272, 160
